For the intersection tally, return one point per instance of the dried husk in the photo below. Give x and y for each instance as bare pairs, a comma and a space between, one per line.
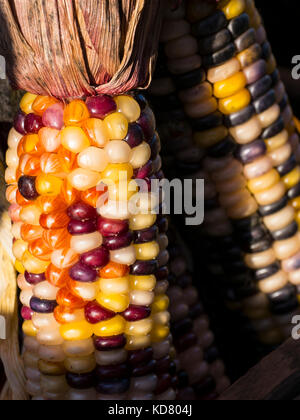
75, 48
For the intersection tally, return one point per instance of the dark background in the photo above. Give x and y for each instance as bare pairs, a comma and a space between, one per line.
282, 22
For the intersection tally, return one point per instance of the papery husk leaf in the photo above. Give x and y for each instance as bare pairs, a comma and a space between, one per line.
76, 48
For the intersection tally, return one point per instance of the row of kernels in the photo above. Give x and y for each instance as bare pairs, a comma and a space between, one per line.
256, 127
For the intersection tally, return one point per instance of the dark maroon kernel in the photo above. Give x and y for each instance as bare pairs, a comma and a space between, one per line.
100, 106
80, 381
144, 268
110, 343
146, 235
185, 342
26, 313
109, 227
136, 313
112, 372
81, 211
76, 227
144, 369
147, 123
164, 382
27, 188
135, 135
82, 273
34, 279
163, 365
19, 122
42, 306
113, 387
140, 357
96, 258
162, 273
33, 123
94, 313
141, 100
144, 172
120, 241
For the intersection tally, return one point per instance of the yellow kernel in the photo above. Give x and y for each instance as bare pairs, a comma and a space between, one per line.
19, 267
144, 283
235, 102
113, 301
160, 304
295, 203
292, 179
148, 251
116, 172
234, 8
264, 182
138, 342
128, 107
48, 185
76, 331
27, 102
116, 125
112, 327
29, 329
139, 328
115, 285
142, 221
277, 141
159, 333
230, 86
51, 368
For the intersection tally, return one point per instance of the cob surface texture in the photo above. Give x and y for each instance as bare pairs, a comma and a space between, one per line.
96, 321
226, 84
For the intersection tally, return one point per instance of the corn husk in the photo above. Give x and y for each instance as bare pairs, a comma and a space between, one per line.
75, 48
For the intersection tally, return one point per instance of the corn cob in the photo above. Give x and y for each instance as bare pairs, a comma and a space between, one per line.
87, 265
201, 105
200, 367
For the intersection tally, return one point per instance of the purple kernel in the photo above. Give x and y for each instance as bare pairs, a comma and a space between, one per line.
27, 188
33, 123
77, 227
118, 242
19, 122
82, 273
96, 258
100, 106
34, 279
136, 313
94, 313
81, 211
